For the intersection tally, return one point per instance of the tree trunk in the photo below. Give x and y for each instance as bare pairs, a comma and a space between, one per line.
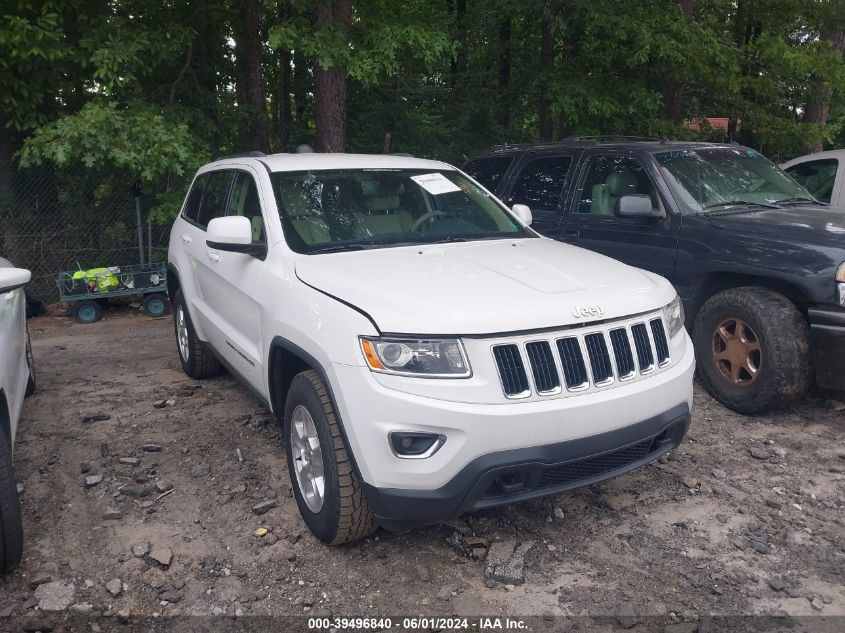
673, 85
457, 64
250, 80
544, 121
330, 83
818, 103
504, 71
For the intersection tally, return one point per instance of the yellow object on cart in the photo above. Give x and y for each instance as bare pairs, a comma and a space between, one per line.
103, 279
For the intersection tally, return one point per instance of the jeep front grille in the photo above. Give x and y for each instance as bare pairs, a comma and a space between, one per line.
592, 359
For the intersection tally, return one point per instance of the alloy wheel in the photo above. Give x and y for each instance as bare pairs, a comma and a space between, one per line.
182, 333
308, 458
737, 351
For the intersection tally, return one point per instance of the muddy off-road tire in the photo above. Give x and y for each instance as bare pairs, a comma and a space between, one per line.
197, 360
753, 349
11, 529
334, 509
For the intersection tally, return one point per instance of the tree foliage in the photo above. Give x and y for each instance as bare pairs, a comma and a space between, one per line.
155, 89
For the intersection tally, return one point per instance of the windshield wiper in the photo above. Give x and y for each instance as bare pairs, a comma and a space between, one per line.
737, 203
800, 199
338, 248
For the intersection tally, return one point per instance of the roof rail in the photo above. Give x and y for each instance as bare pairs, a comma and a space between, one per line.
616, 138
253, 154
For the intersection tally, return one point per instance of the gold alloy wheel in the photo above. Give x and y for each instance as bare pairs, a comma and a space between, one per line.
737, 352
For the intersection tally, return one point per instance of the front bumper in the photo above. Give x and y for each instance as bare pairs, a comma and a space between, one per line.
827, 341
521, 474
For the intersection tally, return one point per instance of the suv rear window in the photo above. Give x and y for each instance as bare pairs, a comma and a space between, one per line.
540, 183
489, 171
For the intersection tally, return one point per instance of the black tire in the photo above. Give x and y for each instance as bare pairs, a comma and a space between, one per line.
783, 364
345, 515
197, 360
155, 304
87, 311
11, 528
30, 362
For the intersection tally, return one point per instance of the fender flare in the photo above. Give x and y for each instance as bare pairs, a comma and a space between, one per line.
289, 346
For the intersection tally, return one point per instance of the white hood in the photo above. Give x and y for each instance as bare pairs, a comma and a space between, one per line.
483, 287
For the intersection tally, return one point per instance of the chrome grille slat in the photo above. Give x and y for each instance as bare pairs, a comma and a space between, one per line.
661, 344
574, 369
645, 357
599, 358
625, 367
543, 367
511, 371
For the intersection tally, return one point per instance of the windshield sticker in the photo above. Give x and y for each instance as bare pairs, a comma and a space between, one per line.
435, 183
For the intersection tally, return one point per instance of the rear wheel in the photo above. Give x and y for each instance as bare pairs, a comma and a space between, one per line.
753, 349
155, 305
11, 529
327, 490
197, 360
87, 311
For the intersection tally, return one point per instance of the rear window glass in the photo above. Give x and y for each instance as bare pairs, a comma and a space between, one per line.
214, 199
192, 204
489, 171
540, 183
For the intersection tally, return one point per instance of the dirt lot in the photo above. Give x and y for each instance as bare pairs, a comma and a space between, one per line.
713, 530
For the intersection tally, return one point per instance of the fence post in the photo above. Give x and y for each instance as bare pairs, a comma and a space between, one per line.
140, 222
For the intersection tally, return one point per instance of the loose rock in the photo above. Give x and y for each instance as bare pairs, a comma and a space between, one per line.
759, 453
114, 586
95, 417
264, 506
162, 555
200, 470
719, 474
92, 480
140, 550
505, 562
55, 596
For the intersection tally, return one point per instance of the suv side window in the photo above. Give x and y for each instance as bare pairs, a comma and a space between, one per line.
192, 203
816, 176
214, 200
540, 183
608, 178
489, 171
244, 201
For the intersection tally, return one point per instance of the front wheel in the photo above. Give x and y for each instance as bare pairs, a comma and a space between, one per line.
753, 349
197, 360
11, 528
327, 490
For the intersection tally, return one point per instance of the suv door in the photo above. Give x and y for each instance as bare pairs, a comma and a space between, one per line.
238, 284
591, 220
539, 183
203, 259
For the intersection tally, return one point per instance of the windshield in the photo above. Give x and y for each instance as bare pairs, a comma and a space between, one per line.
327, 210
718, 178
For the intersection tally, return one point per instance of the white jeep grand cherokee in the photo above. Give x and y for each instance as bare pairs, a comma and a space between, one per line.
427, 352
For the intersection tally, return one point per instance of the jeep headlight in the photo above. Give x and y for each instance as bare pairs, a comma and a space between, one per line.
426, 358
673, 316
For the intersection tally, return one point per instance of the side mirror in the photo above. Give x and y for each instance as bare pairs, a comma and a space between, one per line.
637, 205
523, 212
13, 278
233, 234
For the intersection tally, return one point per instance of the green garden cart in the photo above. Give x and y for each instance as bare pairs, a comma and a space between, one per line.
91, 290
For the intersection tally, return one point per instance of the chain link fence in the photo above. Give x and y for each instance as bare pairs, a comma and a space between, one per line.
52, 220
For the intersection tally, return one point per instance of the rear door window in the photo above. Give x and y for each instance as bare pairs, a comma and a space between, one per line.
540, 182
244, 201
489, 171
192, 203
816, 176
214, 199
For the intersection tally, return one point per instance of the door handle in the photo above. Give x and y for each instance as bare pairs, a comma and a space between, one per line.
187, 238
571, 235
213, 256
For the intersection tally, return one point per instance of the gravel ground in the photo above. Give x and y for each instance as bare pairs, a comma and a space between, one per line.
140, 487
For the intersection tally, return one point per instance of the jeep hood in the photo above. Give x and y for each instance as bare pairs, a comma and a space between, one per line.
810, 224
482, 287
